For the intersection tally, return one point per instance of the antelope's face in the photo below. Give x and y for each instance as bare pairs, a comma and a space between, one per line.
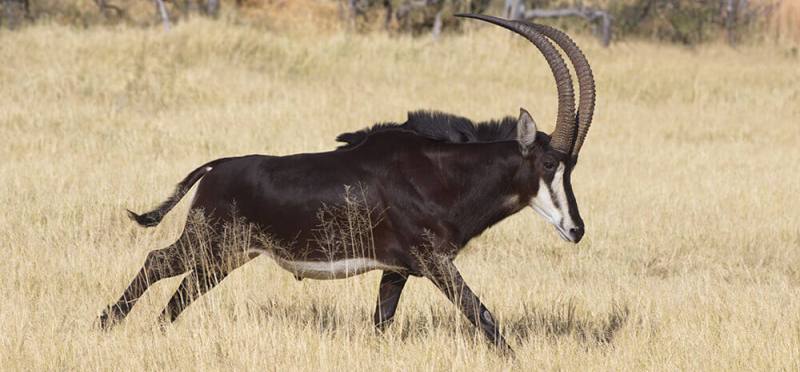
553, 198
549, 172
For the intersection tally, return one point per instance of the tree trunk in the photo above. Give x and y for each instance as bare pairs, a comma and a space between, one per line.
387, 22
733, 16
9, 18
352, 12
14, 11
212, 8
603, 29
437, 25
162, 11
515, 9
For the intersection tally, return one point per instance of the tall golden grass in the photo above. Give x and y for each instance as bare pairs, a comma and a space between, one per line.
688, 184
783, 23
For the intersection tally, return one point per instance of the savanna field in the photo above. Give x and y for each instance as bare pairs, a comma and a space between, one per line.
688, 183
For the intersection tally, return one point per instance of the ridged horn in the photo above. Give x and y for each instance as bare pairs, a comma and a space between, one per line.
585, 80
563, 135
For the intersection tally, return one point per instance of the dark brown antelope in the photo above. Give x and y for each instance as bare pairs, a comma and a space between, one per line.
401, 198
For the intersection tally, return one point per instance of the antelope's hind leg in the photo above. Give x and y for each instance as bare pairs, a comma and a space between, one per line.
391, 287
159, 264
205, 276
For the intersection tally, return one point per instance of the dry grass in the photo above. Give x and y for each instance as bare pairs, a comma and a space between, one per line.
688, 184
784, 21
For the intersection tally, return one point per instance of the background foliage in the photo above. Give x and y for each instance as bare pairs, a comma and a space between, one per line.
680, 21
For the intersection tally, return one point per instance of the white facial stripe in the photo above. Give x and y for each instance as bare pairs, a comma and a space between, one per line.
543, 204
551, 203
561, 196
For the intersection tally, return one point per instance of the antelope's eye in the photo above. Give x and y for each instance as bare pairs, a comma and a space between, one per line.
549, 165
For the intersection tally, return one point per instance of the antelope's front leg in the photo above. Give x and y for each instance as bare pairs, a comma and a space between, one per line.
446, 277
391, 287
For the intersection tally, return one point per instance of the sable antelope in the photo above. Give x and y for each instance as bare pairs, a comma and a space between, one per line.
437, 181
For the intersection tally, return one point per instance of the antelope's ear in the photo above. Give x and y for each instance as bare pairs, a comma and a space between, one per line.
526, 130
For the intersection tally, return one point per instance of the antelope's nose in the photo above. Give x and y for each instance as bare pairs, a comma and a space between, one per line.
577, 233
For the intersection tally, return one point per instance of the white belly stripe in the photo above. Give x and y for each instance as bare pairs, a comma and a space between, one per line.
324, 270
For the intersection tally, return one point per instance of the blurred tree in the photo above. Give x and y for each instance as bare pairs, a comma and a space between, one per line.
14, 12
421, 16
735, 13
690, 22
601, 19
162, 12
681, 21
212, 7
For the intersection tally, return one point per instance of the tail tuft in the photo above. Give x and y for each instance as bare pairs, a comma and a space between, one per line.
149, 219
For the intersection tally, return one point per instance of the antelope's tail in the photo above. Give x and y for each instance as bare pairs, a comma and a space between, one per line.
154, 217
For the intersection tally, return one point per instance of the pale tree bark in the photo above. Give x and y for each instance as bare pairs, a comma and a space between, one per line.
162, 11
513, 9
212, 7
437, 25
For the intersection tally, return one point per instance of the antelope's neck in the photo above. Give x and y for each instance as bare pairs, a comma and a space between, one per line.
483, 182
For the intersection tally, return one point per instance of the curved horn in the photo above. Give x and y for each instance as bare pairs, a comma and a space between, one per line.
564, 134
585, 80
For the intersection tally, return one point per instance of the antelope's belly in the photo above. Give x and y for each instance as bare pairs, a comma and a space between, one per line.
333, 269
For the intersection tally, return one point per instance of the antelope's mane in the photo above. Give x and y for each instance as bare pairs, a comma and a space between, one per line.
439, 126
